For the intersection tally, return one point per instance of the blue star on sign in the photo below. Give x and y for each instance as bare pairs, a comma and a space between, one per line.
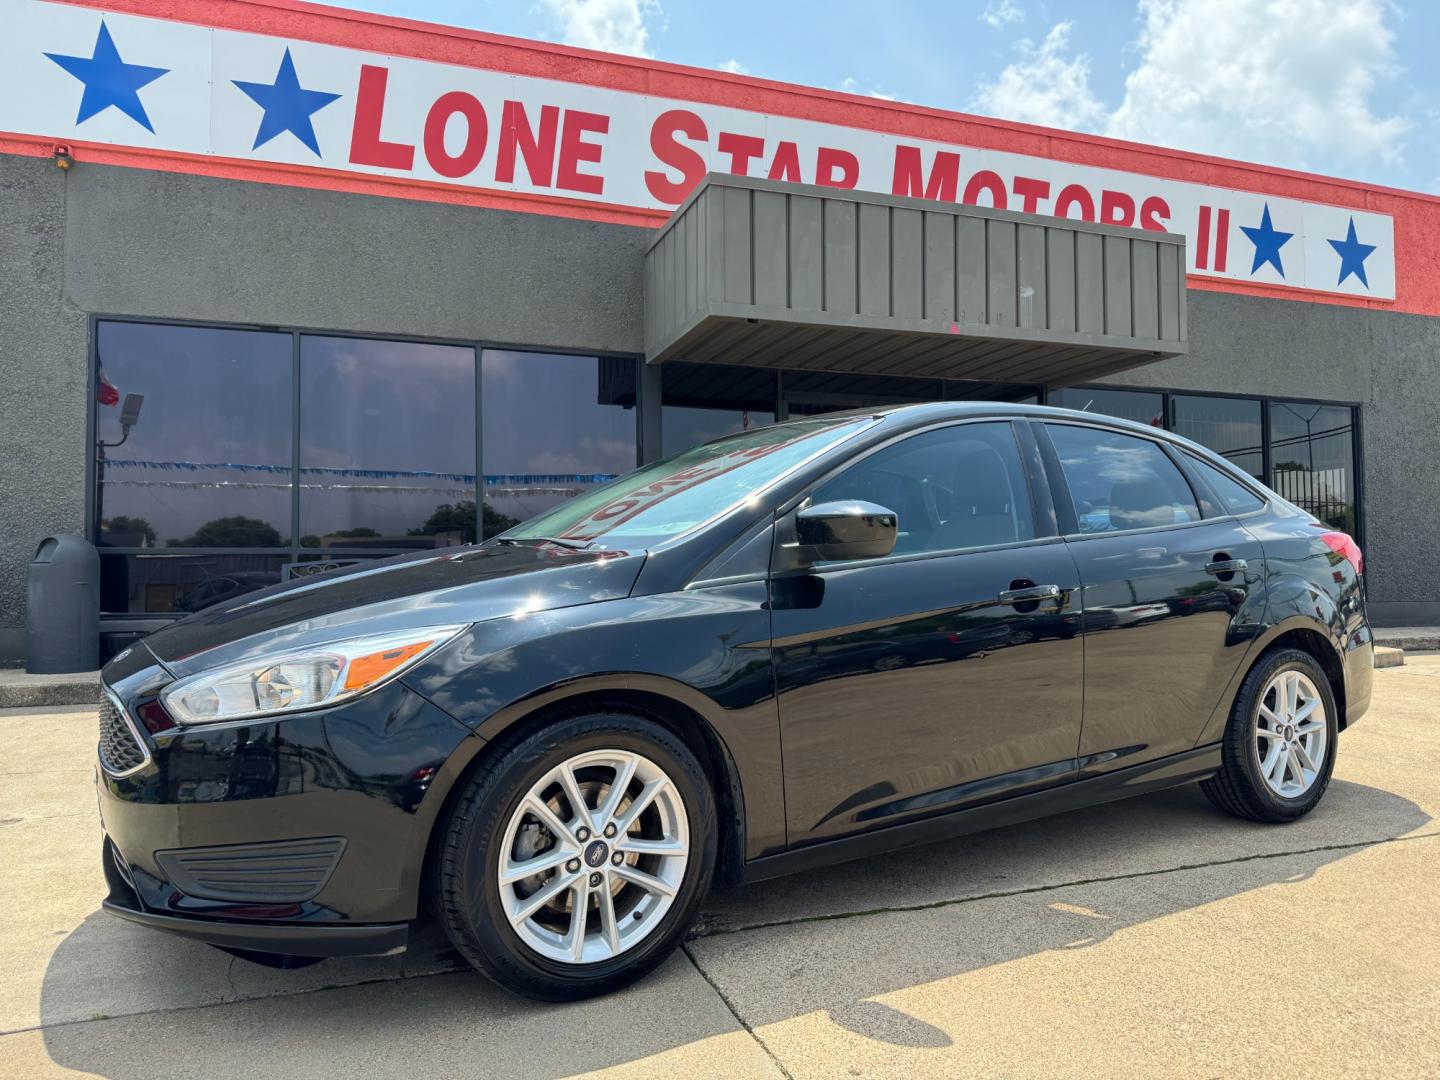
288, 105
1352, 255
109, 80
1268, 241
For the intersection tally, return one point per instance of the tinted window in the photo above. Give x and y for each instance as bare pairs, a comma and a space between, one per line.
1229, 426
955, 487
1312, 459
1121, 482
207, 459
387, 444
1236, 497
663, 500
552, 428
682, 427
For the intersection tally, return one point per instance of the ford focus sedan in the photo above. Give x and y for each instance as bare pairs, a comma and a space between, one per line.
793, 646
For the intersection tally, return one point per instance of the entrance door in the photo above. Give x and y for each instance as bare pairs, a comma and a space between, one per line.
947, 673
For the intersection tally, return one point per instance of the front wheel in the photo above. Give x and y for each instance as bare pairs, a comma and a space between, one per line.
1279, 747
574, 862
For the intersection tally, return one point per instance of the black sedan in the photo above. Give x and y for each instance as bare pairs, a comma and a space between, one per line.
789, 647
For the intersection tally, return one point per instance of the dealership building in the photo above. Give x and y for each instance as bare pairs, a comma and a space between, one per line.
284, 287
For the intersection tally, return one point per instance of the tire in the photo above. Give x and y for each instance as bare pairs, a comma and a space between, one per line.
1244, 786
498, 804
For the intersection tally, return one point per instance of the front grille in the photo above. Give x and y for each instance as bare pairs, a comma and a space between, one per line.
121, 751
285, 871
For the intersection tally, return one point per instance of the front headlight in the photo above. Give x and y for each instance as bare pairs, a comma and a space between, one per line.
319, 676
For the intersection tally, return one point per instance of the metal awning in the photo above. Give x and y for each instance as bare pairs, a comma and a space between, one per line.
793, 276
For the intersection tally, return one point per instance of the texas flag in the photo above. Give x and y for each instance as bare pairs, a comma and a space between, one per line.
106, 392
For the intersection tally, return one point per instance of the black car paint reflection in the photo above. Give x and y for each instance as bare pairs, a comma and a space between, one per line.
849, 705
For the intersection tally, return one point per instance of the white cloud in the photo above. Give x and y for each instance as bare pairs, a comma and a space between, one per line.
618, 26
1280, 79
734, 67
1001, 13
1283, 81
852, 86
1046, 85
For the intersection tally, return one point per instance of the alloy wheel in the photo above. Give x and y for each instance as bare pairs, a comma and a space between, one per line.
1291, 734
593, 856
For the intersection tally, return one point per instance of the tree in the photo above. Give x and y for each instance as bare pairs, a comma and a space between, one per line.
135, 526
460, 518
237, 531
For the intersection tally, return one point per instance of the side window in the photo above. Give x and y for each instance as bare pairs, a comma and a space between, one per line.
1235, 496
954, 487
1121, 482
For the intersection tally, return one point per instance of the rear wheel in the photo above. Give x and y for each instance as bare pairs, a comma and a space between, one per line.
574, 862
1279, 747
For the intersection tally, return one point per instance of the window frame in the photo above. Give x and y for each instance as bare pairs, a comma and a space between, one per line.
1038, 493
296, 553
1065, 499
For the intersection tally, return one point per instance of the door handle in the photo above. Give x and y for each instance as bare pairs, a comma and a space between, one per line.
1225, 566
1033, 594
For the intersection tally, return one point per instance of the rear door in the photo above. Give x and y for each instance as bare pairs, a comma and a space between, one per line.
946, 674
1165, 592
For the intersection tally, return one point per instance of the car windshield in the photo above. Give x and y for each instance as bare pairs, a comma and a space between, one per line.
661, 501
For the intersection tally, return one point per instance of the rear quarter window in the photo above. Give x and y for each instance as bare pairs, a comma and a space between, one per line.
1235, 497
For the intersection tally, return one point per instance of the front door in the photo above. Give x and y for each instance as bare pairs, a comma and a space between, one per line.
1160, 605
946, 674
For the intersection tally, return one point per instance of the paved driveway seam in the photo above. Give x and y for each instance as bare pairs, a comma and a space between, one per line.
1002, 893
736, 1013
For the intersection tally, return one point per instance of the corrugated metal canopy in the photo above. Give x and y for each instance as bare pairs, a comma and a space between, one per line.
790, 276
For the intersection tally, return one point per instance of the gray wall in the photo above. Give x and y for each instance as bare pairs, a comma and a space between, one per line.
43, 374
1385, 362
101, 240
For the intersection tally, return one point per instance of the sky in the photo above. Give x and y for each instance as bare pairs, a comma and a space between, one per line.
1347, 88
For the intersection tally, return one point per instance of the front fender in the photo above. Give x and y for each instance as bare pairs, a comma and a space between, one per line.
707, 650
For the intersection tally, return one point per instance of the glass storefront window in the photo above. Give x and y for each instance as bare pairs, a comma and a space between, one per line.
160, 583
387, 445
552, 427
206, 461
1137, 405
1312, 459
1231, 427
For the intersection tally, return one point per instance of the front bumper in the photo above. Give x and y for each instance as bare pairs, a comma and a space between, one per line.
302, 836
383, 939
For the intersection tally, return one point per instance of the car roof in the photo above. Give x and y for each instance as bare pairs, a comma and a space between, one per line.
930, 411
918, 414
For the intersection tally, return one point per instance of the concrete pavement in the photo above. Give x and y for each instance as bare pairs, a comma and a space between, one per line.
1147, 937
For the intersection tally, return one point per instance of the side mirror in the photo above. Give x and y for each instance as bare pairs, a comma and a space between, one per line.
848, 529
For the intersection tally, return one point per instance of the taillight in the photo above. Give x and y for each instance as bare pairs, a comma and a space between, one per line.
1344, 545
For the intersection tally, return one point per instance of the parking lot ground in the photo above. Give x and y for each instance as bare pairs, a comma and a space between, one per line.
1148, 937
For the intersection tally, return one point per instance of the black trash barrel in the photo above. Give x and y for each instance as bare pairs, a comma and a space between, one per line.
62, 617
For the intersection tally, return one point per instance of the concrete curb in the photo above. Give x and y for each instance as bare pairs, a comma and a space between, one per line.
1413, 638
1385, 656
20, 690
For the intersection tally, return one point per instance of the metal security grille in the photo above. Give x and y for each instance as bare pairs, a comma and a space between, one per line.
121, 751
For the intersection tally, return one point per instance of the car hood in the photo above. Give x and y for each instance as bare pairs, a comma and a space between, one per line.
463, 585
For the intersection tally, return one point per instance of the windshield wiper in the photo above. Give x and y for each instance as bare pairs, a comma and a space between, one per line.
577, 545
